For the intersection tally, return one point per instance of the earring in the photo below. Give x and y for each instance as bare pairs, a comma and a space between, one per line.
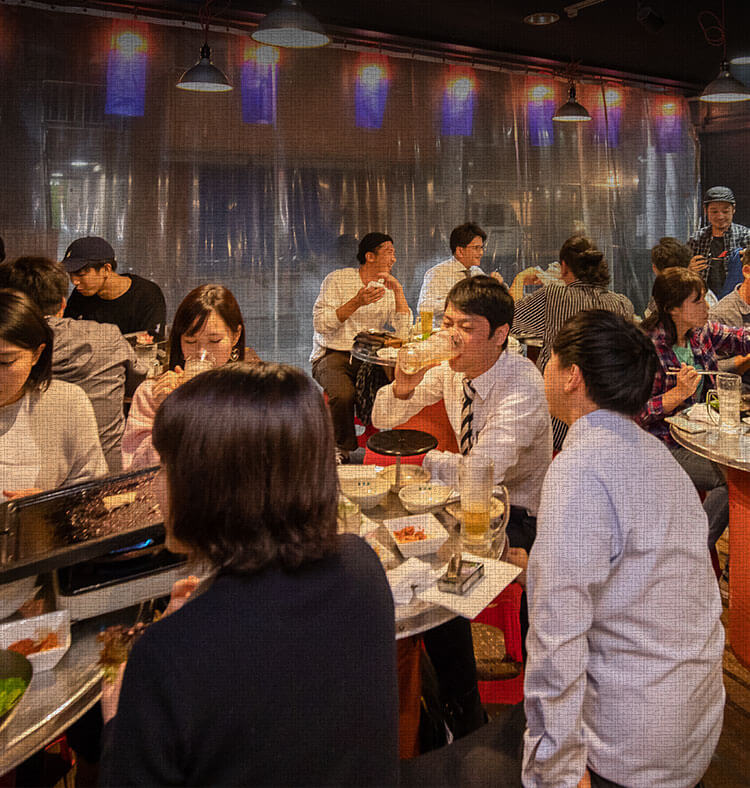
234, 355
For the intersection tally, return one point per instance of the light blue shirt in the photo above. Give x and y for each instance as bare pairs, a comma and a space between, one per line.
625, 643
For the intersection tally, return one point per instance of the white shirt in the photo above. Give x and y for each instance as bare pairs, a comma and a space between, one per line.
339, 287
625, 646
511, 423
437, 284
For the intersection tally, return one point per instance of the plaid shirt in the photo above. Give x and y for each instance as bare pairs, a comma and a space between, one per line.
708, 344
736, 237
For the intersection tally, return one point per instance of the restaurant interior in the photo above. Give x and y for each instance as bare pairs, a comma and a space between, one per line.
253, 144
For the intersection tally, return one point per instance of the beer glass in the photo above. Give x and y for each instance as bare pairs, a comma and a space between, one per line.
476, 479
441, 346
728, 394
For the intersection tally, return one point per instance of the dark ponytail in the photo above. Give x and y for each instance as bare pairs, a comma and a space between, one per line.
585, 261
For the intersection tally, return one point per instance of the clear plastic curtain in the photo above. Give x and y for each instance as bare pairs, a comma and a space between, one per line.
263, 188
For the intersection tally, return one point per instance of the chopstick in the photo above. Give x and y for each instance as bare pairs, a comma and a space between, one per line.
675, 370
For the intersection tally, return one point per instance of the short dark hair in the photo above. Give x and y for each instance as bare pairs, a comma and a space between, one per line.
670, 253
671, 287
617, 360
193, 312
370, 243
483, 296
464, 234
250, 462
45, 281
23, 324
586, 262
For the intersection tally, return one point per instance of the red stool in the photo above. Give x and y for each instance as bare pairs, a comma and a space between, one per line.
503, 613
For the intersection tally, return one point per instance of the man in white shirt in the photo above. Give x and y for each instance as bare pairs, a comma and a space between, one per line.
510, 422
467, 246
353, 300
623, 682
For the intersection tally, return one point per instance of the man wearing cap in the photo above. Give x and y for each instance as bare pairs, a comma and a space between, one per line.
719, 238
132, 303
353, 300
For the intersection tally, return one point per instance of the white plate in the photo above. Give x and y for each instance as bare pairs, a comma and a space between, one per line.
410, 474
37, 628
434, 531
423, 496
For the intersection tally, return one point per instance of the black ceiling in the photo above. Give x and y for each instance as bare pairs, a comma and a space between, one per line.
607, 35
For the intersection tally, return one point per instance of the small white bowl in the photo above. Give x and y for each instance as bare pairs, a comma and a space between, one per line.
418, 498
410, 474
38, 628
362, 485
434, 531
14, 594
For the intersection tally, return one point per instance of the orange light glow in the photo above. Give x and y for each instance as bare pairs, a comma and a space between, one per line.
371, 74
541, 93
460, 88
669, 108
613, 98
129, 44
261, 54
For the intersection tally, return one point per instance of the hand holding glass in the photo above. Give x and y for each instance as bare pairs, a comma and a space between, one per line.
441, 346
194, 365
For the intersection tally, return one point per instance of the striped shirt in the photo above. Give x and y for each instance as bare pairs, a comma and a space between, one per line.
543, 313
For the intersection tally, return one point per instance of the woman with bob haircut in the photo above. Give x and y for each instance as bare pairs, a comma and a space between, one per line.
208, 321
48, 433
281, 668
685, 339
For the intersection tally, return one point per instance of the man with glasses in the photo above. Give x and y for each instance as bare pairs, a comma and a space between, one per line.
467, 246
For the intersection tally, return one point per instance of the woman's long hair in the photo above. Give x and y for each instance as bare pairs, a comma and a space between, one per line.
671, 288
250, 462
22, 324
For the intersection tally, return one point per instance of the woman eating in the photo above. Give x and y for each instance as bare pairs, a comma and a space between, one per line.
48, 433
208, 324
281, 669
686, 341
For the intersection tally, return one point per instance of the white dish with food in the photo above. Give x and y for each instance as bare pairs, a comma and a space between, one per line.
362, 485
419, 534
410, 474
35, 632
14, 594
421, 497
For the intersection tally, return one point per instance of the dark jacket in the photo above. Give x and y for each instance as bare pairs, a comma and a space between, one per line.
273, 679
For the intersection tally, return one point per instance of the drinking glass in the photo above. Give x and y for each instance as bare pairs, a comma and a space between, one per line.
728, 394
425, 321
441, 346
476, 479
200, 362
348, 516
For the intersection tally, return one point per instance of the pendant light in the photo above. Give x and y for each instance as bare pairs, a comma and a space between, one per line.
204, 76
291, 26
725, 88
571, 110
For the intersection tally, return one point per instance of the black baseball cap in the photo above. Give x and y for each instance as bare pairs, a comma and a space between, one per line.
719, 194
84, 251
370, 243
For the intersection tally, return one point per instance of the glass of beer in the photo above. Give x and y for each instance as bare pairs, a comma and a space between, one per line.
441, 346
200, 362
425, 322
476, 478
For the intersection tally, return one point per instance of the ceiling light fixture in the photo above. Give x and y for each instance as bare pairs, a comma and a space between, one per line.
291, 26
572, 10
541, 18
741, 60
204, 76
725, 88
571, 110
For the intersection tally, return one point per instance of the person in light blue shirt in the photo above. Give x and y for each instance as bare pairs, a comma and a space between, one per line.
623, 683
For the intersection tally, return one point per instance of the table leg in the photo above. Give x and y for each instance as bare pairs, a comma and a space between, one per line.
398, 473
739, 575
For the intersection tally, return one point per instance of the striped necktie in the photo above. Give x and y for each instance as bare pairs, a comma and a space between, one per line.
467, 436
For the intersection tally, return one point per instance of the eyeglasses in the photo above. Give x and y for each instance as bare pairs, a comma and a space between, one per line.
476, 246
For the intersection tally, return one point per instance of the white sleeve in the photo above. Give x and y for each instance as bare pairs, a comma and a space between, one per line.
328, 301
570, 559
389, 412
432, 295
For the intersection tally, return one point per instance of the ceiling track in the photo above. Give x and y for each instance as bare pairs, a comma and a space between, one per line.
243, 23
